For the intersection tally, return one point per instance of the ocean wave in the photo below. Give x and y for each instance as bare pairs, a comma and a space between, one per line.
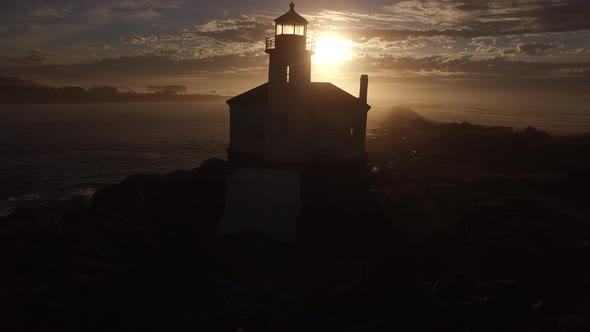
13, 203
27, 197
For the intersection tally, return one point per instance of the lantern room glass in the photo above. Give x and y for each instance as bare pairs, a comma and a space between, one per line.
290, 29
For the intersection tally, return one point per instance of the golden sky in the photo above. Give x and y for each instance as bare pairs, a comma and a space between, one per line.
409, 48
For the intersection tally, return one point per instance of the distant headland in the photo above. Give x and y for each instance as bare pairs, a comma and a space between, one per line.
19, 91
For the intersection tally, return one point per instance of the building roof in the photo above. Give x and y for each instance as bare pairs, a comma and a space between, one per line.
256, 96
321, 94
291, 17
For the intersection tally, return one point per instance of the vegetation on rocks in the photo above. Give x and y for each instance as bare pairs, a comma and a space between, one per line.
453, 227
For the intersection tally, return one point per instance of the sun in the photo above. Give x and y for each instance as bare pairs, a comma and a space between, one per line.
331, 50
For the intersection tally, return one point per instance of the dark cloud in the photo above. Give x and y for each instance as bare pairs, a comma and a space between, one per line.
535, 48
479, 18
361, 34
45, 10
99, 46
240, 37
226, 31
499, 17
4, 80
134, 39
241, 30
493, 47
34, 57
465, 68
142, 66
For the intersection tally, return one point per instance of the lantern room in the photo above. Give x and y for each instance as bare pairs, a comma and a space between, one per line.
290, 33
291, 23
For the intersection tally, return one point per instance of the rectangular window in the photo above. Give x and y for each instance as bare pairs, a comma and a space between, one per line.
351, 131
288, 74
300, 30
279, 30
288, 29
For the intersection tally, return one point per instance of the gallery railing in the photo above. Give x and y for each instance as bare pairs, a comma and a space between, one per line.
309, 43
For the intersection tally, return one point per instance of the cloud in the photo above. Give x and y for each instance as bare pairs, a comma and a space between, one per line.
246, 30
134, 40
3, 29
239, 30
34, 57
535, 48
99, 46
484, 44
494, 18
429, 40
144, 67
580, 51
40, 27
437, 13
131, 10
239, 37
49, 11
462, 70
493, 47
471, 19
466, 68
4, 80
409, 43
143, 4
147, 15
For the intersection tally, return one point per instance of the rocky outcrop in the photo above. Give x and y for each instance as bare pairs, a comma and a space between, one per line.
456, 227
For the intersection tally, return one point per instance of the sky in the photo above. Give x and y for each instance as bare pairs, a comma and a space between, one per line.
494, 50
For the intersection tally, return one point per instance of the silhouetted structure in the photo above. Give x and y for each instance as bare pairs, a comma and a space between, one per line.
282, 129
291, 119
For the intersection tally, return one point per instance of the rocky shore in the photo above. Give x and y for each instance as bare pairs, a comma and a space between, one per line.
455, 227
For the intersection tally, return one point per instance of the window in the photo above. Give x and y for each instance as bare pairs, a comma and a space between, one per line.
288, 29
300, 30
288, 74
351, 131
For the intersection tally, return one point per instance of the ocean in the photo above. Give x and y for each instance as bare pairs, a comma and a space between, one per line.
57, 151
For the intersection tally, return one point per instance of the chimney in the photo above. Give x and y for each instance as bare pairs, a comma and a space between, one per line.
364, 88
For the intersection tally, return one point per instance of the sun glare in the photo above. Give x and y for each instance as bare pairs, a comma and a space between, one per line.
332, 50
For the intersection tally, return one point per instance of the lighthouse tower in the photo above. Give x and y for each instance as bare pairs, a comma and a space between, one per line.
285, 129
288, 117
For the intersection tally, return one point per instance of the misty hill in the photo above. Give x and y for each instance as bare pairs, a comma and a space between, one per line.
18, 91
487, 229
166, 88
419, 142
15, 81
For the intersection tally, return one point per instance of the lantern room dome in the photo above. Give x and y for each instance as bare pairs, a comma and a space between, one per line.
291, 17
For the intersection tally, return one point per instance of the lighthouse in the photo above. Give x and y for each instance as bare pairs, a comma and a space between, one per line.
288, 120
284, 128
